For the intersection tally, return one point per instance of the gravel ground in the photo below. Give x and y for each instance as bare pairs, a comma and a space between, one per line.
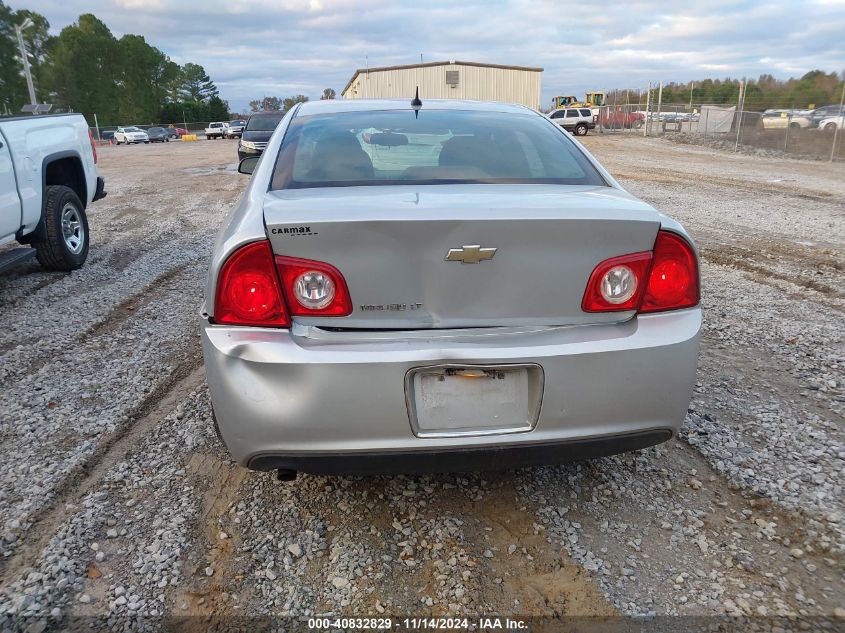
118, 500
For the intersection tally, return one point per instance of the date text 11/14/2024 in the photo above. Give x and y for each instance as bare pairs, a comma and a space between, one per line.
418, 624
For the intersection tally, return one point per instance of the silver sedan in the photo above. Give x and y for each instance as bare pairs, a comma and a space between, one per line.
445, 286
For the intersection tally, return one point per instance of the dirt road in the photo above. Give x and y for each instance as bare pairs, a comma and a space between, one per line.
116, 498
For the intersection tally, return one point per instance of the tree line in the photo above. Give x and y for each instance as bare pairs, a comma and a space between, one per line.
86, 69
815, 88
277, 103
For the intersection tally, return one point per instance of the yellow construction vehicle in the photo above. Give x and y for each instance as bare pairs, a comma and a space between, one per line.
563, 102
594, 99
591, 100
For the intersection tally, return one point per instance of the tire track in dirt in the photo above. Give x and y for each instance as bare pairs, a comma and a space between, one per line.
88, 473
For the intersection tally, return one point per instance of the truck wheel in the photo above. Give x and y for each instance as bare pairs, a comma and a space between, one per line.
66, 246
581, 129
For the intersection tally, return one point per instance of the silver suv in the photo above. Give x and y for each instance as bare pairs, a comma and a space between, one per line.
575, 120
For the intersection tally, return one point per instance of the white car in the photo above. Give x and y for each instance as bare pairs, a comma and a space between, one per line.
829, 124
574, 120
780, 119
129, 135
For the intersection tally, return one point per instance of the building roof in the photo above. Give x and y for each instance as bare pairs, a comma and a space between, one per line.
331, 106
429, 64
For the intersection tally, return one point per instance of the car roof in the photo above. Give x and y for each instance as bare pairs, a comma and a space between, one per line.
332, 106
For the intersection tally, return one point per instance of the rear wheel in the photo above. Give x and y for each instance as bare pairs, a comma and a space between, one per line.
66, 226
830, 127
581, 129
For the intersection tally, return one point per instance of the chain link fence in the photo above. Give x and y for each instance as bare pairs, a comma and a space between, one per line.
105, 133
796, 133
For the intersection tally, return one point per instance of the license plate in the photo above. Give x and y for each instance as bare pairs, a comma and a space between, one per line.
454, 400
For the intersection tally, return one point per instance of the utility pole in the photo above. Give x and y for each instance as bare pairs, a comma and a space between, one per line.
19, 29
839, 123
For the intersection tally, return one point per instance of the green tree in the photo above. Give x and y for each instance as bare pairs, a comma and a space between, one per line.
218, 110
267, 103
195, 84
289, 102
85, 68
328, 93
146, 73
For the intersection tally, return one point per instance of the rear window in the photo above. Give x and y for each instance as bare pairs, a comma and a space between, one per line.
439, 147
264, 122
586, 112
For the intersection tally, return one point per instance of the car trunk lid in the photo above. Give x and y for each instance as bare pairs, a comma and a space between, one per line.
402, 250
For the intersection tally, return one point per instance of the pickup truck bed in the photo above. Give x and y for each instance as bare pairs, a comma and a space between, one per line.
48, 177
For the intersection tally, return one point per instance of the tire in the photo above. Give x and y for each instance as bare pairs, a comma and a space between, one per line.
638, 124
794, 126
830, 128
581, 129
66, 227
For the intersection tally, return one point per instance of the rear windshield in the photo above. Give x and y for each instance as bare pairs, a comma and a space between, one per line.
439, 147
264, 122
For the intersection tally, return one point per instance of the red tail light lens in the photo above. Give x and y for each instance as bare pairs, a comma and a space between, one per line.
673, 279
248, 289
665, 279
93, 145
313, 288
617, 284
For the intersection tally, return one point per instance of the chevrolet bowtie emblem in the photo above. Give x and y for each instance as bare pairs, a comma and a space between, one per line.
470, 254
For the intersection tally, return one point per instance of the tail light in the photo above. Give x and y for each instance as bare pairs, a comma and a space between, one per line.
259, 289
248, 289
617, 284
93, 145
313, 288
673, 278
653, 281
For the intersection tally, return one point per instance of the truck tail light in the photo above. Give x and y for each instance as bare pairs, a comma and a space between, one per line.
248, 289
93, 144
313, 288
652, 281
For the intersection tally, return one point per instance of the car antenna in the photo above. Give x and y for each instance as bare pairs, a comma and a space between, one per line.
416, 104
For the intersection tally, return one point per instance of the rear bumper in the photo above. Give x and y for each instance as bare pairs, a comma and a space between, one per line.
334, 402
461, 459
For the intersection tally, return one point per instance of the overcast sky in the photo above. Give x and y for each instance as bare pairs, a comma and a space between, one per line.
253, 48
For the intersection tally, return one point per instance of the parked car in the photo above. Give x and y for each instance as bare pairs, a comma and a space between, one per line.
176, 132
259, 127
781, 119
619, 117
107, 135
158, 135
235, 129
832, 122
825, 112
217, 129
575, 120
374, 310
129, 135
48, 177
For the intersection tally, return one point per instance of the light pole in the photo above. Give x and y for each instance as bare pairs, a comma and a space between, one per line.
19, 29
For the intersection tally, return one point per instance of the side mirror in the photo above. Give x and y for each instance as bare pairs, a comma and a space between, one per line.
247, 165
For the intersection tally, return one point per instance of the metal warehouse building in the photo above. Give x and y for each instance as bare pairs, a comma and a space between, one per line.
448, 80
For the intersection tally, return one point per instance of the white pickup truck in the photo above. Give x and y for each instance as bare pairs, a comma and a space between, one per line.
48, 177
217, 129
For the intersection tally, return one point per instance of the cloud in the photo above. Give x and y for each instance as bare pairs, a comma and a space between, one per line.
253, 48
